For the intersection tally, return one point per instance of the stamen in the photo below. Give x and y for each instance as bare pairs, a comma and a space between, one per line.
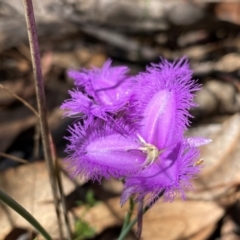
152, 152
198, 162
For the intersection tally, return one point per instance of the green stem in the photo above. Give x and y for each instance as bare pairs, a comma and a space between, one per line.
124, 233
24, 213
129, 214
126, 230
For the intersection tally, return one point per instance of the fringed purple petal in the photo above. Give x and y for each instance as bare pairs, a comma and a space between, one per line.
82, 79
102, 152
198, 141
106, 91
78, 105
170, 174
159, 120
106, 86
164, 95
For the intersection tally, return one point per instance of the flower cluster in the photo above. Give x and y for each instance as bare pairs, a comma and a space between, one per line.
132, 127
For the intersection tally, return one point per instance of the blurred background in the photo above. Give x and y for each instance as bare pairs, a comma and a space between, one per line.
76, 34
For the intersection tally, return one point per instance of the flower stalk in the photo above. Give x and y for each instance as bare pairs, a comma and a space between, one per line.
128, 215
40, 94
128, 228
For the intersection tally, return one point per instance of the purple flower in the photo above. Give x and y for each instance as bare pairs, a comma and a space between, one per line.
99, 92
153, 156
101, 151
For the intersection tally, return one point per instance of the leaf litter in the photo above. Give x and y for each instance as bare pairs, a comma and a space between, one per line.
214, 56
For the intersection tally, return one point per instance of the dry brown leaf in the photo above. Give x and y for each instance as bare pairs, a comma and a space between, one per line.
29, 185
228, 63
229, 230
80, 57
213, 100
228, 11
204, 233
176, 220
221, 162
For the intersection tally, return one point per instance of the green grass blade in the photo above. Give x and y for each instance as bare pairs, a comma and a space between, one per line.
24, 213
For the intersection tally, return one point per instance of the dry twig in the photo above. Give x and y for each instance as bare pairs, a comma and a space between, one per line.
16, 159
40, 94
21, 100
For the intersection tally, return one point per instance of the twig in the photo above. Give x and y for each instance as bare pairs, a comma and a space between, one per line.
36, 63
140, 218
21, 100
16, 159
62, 197
24, 50
36, 139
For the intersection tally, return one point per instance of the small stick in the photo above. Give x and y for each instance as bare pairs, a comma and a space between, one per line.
36, 139
40, 94
21, 100
61, 193
16, 159
37, 131
139, 218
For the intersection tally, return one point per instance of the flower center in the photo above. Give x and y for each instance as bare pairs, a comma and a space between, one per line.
152, 152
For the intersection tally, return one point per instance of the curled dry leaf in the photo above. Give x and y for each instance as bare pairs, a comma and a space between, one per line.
220, 174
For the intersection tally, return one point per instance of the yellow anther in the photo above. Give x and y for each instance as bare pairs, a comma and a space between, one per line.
198, 162
151, 151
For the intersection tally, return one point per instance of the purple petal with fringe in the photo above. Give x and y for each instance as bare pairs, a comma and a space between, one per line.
100, 151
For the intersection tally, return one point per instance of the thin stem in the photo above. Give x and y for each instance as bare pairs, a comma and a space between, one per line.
140, 218
16, 159
129, 214
21, 100
36, 140
36, 63
62, 197
124, 233
24, 213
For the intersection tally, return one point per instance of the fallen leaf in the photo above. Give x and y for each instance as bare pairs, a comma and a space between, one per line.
220, 173
29, 185
228, 63
186, 217
228, 11
229, 229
